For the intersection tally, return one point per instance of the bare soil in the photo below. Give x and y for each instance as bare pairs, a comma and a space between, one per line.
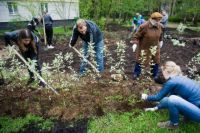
92, 99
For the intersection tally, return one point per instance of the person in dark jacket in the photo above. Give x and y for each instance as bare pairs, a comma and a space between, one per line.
180, 95
10, 37
32, 25
29, 47
48, 21
89, 32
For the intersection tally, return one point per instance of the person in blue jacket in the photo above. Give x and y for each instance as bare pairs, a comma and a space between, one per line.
29, 47
180, 95
89, 32
48, 22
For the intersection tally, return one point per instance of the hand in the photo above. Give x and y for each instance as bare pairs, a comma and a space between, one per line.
160, 44
151, 109
144, 96
70, 45
134, 47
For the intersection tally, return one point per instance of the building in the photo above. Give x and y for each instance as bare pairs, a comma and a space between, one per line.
19, 11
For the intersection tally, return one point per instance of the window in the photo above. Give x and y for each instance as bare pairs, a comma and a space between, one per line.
12, 8
44, 7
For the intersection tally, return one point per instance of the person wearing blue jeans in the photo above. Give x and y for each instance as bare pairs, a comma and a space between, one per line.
180, 95
90, 33
98, 48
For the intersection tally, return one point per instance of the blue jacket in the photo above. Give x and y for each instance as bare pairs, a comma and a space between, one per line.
181, 86
93, 34
48, 20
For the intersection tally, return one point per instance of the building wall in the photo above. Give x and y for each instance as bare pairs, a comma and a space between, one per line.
26, 10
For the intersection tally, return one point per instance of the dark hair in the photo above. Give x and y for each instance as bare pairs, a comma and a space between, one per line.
26, 34
36, 20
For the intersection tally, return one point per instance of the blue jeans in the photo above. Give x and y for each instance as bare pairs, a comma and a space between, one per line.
177, 105
98, 48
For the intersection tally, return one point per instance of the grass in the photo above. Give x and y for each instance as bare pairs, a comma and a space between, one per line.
57, 30
137, 121
195, 28
10, 125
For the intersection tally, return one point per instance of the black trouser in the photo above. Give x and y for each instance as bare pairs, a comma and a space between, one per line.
49, 33
33, 56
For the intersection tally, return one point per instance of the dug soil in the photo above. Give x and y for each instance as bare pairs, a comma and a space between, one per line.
93, 99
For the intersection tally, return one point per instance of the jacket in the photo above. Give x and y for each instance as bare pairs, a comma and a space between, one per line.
93, 34
146, 37
181, 86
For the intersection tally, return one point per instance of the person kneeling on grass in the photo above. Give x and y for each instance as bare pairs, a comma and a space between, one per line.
184, 96
89, 32
29, 47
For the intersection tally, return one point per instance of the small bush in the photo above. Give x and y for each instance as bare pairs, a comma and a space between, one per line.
175, 19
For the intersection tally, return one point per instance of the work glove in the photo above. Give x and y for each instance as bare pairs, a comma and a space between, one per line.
160, 44
144, 96
151, 109
71, 45
134, 47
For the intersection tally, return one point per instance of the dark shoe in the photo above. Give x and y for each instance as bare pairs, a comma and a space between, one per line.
167, 124
42, 84
31, 80
2, 81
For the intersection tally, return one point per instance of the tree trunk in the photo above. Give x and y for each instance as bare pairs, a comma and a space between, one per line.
173, 7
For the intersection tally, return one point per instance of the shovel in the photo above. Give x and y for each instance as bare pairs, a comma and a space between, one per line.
95, 69
35, 72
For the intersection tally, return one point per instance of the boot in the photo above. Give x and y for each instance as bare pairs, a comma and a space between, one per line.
136, 71
31, 80
42, 84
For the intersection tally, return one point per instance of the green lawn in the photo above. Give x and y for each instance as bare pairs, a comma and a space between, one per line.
10, 125
56, 30
137, 121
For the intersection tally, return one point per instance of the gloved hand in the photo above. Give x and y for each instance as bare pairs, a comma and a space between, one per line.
134, 47
151, 109
144, 96
71, 45
160, 44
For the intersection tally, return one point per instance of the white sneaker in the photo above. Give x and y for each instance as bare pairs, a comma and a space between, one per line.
50, 47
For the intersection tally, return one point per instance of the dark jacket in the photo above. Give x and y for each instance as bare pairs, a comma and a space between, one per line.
93, 34
32, 24
48, 21
11, 36
14, 35
181, 86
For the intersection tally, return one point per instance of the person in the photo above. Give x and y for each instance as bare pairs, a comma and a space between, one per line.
48, 22
180, 95
140, 20
89, 32
134, 23
29, 47
10, 37
32, 25
164, 19
147, 37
